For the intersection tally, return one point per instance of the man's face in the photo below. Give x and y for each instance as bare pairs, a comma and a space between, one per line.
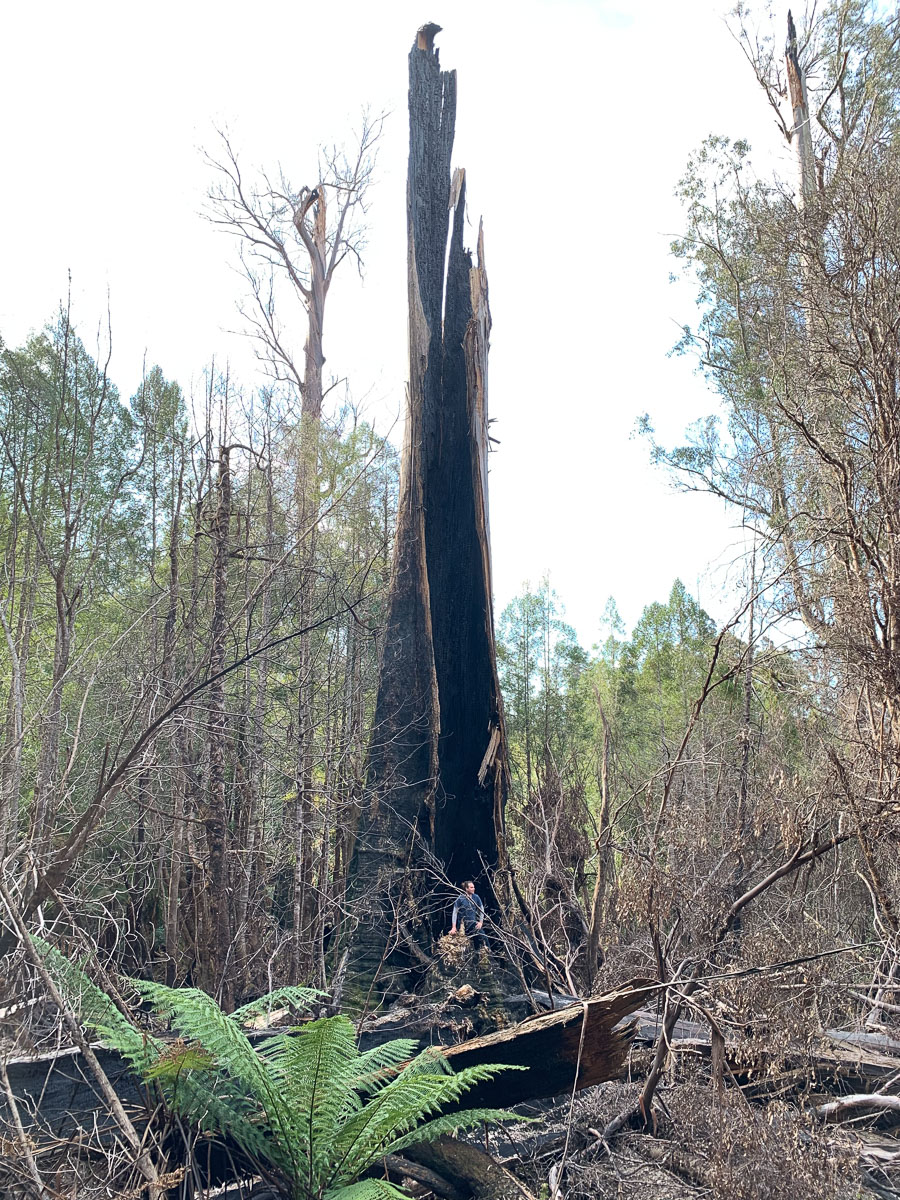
470, 889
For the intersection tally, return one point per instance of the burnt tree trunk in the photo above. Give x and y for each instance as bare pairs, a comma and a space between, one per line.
437, 776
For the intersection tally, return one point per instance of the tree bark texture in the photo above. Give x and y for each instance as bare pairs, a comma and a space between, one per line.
437, 772
215, 808
464, 1163
802, 130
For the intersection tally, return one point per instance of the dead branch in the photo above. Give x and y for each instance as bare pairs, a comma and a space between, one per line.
142, 1159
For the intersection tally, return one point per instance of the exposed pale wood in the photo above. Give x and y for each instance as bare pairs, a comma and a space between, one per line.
490, 755
860, 1101
878, 1003
802, 131
878, 1042
426, 35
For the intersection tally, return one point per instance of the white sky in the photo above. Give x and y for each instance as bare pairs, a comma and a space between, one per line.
575, 119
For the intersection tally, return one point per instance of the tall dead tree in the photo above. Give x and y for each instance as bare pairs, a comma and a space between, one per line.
437, 777
298, 239
801, 130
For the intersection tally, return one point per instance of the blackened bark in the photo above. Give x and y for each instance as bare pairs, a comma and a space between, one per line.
437, 759
465, 836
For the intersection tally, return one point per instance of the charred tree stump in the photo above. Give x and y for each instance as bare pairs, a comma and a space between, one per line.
438, 774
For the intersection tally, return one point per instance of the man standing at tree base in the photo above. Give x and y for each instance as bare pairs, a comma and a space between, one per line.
468, 915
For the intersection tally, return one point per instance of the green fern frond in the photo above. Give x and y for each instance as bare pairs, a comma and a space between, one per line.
451, 1123
367, 1189
430, 1061
197, 1017
467, 1077
301, 998
421, 1090
95, 1009
208, 1102
316, 1070
388, 1055
377, 1067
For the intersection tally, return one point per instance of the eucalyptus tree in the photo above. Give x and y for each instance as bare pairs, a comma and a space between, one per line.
72, 453
798, 284
292, 240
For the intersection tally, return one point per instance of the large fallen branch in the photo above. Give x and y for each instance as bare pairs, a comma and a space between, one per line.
846, 1105
460, 1161
398, 1168
574, 1047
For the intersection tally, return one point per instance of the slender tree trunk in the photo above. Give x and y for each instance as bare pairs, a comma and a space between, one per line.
255, 781
48, 758
179, 738
605, 860
306, 497
12, 773
743, 812
215, 811
17, 635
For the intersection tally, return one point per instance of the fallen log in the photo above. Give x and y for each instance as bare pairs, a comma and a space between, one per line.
846, 1059
861, 1101
462, 1162
399, 1168
879, 1042
574, 1047
59, 1100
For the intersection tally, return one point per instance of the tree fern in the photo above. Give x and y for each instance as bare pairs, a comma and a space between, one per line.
407, 1110
307, 1106
98, 1011
296, 997
368, 1189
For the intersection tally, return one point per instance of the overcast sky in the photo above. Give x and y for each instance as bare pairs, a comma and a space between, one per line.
575, 119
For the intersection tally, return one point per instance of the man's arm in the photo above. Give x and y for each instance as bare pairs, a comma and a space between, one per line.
480, 907
455, 915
